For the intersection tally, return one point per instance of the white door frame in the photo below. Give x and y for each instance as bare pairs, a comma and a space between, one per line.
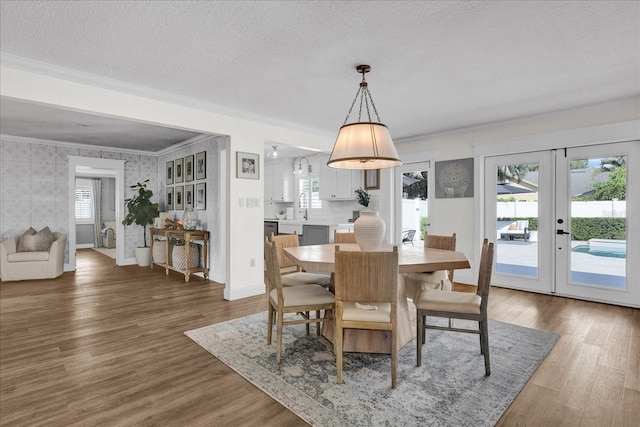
629, 296
104, 164
543, 282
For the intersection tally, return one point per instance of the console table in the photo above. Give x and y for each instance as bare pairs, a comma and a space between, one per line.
188, 236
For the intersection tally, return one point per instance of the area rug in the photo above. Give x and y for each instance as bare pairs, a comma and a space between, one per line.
449, 389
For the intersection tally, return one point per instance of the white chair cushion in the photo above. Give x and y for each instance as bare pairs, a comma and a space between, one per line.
297, 279
303, 295
418, 282
458, 302
382, 314
28, 256
432, 280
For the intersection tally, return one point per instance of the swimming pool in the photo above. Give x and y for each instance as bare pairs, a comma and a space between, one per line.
585, 249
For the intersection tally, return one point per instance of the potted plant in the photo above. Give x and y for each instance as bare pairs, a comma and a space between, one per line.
141, 211
363, 197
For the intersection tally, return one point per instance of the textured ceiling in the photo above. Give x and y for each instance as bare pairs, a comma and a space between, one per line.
36, 121
437, 66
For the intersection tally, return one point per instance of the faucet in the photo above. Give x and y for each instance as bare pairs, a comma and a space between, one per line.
301, 197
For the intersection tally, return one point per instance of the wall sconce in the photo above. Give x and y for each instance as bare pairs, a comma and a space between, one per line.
300, 169
274, 153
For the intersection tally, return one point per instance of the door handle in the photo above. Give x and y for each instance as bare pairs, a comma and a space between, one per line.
562, 232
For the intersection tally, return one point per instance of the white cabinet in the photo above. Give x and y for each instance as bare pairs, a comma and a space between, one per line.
338, 184
278, 181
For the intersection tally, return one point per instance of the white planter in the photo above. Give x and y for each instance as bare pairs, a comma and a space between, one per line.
143, 256
369, 229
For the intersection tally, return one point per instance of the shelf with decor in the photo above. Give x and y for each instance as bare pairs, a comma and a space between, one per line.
173, 249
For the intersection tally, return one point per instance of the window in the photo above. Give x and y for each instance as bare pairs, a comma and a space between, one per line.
84, 201
310, 192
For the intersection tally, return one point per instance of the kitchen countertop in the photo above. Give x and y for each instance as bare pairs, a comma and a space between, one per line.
310, 222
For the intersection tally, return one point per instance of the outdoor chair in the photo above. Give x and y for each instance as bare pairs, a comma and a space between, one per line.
407, 236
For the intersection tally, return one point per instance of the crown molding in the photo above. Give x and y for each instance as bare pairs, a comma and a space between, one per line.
25, 139
187, 143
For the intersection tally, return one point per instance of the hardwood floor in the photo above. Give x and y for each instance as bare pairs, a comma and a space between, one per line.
105, 346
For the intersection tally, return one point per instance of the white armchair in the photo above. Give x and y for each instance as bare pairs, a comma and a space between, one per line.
16, 265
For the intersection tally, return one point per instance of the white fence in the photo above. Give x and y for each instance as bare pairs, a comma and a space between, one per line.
413, 210
591, 209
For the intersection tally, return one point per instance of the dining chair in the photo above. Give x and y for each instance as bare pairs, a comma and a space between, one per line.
459, 305
443, 280
292, 274
344, 237
366, 288
296, 299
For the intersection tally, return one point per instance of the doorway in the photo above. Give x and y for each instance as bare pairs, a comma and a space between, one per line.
413, 213
92, 166
560, 221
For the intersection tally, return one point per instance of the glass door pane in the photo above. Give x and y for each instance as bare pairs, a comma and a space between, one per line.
518, 196
414, 211
594, 223
598, 221
517, 219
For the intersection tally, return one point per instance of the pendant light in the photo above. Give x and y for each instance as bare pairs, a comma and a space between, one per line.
363, 144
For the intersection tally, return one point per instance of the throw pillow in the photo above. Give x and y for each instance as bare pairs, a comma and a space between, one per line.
36, 242
29, 232
513, 226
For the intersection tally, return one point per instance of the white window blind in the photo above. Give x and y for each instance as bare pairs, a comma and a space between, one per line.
310, 186
84, 201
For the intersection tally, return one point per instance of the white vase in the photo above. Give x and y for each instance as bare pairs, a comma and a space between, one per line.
369, 229
143, 256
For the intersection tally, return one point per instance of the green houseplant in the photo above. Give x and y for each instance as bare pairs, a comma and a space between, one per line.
141, 211
362, 197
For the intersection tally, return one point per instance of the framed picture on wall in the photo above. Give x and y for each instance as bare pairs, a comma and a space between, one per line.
169, 198
179, 198
188, 168
372, 179
454, 178
169, 172
188, 196
179, 168
201, 165
201, 196
247, 165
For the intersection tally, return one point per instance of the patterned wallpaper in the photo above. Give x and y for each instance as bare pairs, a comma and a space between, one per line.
34, 180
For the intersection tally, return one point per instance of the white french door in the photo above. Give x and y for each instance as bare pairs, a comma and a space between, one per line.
519, 192
597, 232
580, 207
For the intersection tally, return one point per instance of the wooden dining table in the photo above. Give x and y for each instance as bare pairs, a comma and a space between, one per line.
321, 258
